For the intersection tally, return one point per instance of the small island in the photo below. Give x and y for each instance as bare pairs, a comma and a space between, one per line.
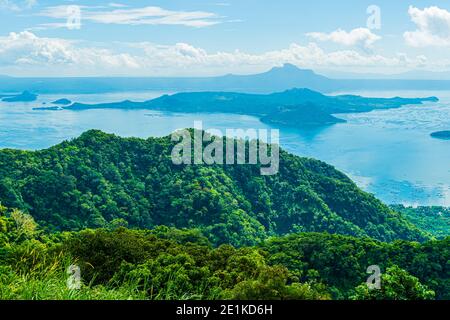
443, 135
62, 102
25, 96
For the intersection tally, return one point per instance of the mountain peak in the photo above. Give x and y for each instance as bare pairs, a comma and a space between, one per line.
290, 66
290, 70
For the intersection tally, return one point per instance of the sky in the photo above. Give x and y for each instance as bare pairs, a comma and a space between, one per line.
208, 37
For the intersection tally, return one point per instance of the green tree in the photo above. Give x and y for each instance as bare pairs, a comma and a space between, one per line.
25, 225
272, 285
396, 284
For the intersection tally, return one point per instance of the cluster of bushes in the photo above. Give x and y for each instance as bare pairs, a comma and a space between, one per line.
160, 264
167, 263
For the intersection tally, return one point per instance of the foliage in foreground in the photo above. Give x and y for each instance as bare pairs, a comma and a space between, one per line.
397, 284
167, 263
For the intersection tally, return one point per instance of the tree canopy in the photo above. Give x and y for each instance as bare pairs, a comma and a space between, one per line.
99, 179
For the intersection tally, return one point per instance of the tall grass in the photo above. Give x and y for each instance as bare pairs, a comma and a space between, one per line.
37, 274
51, 284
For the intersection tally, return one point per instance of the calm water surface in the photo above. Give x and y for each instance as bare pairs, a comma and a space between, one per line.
388, 153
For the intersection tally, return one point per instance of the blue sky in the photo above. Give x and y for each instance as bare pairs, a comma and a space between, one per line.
200, 37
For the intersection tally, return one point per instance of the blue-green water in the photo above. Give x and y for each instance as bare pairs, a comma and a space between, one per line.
389, 153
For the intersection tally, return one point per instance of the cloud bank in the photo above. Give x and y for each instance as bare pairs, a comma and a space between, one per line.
17, 5
356, 37
433, 27
25, 52
120, 14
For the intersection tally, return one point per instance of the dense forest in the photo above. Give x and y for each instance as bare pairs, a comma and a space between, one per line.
167, 263
100, 179
140, 227
434, 220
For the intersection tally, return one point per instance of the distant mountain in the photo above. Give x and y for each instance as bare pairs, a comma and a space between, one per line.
277, 79
423, 75
410, 75
295, 108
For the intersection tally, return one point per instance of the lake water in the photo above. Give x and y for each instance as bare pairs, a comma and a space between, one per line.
389, 153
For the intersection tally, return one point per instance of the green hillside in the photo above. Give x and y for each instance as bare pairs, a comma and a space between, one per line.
434, 220
101, 180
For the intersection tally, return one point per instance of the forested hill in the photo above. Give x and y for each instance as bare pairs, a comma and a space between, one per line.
99, 180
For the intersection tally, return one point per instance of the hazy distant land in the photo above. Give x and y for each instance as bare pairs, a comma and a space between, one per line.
276, 79
25, 96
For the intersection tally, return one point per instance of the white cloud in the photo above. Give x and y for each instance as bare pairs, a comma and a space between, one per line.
136, 16
433, 27
186, 56
24, 53
25, 49
356, 37
117, 5
17, 5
